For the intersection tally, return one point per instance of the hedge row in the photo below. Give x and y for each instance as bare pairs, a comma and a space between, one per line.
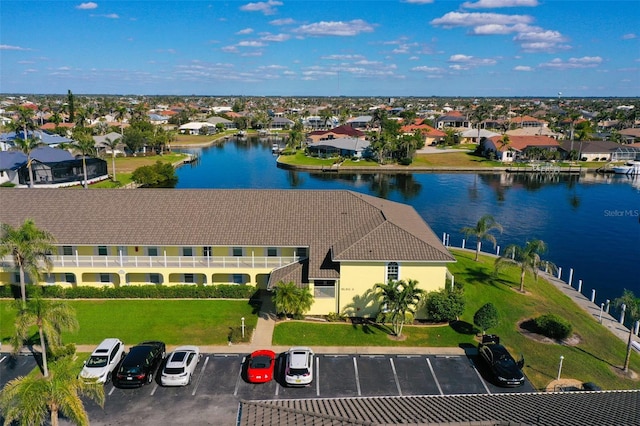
222, 291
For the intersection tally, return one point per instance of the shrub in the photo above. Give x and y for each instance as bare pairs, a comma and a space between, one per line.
486, 317
405, 161
444, 305
235, 334
553, 326
334, 317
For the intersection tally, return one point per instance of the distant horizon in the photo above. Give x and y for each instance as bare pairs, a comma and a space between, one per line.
297, 48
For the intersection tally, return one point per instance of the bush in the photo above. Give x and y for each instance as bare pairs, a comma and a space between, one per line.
405, 161
221, 291
235, 334
553, 326
54, 353
486, 317
334, 317
444, 305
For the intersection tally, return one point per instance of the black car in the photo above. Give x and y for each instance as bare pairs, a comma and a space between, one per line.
504, 370
142, 361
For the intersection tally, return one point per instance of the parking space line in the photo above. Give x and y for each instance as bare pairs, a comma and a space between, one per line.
395, 376
433, 373
112, 389
480, 377
235, 392
317, 376
277, 388
3, 358
154, 390
355, 366
195, 387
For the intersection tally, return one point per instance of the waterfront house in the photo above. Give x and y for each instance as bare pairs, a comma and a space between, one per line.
592, 150
343, 147
431, 136
343, 131
339, 244
517, 147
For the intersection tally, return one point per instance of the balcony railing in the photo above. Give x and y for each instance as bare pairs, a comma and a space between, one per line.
218, 262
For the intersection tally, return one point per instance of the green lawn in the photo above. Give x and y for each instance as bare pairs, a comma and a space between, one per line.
198, 322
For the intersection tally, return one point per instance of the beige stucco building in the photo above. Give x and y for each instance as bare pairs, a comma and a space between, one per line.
337, 243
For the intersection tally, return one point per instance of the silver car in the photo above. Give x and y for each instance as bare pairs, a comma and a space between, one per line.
299, 366
180, 367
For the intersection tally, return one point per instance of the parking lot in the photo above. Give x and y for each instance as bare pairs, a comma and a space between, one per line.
212, 397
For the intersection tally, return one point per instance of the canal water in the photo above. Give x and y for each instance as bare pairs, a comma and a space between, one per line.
590, 223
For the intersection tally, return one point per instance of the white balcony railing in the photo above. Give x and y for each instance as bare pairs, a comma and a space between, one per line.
187, 262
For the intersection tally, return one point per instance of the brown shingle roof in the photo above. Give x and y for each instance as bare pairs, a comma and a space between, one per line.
319, 220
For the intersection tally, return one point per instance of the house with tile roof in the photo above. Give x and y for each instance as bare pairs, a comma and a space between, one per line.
431, 136
517, 146
528, 121
343, 131
341, 147
339, 244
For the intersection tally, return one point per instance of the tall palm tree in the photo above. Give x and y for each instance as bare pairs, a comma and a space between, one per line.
291, 300
27, 146
399, 298
526, 257
120, 115
30, 247
24, 121
113, 145
50, 317
29, 400
86, 145
482, 231
632, 310
327, 117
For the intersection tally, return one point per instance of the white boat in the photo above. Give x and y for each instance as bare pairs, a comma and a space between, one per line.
631, 167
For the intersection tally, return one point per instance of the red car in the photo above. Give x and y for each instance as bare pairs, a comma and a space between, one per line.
260, 366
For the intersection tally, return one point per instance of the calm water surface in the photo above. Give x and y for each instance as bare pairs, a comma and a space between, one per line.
590, 223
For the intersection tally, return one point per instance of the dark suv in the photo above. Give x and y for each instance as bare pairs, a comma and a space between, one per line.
140, 364
505, 371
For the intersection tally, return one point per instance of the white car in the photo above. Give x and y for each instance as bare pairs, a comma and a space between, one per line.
180, 366
299, 367
103, 360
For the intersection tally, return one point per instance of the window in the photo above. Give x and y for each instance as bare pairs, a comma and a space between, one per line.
301, 252
103, 251
237, 251
324, 288
272, 251
237, 279
152, 251
104, 278
154, 278
189, 278
70, 278
393, 271
207, 251
187, 251
67, 251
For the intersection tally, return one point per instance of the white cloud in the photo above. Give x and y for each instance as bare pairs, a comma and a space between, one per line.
285, 21
522, 68
629, 36
87, 6
10, 47
275, 37
419, 1
464, 19
335, 28
467, 62
250, 44
494, 4
427, 69
245, 31
266, 7
573, 63
108, 16
342, 57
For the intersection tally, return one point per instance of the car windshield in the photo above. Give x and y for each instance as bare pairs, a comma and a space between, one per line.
97, 361
260, 362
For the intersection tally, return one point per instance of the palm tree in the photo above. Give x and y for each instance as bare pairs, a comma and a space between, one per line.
27, 146
482, 231
29, 400
86, 145
121, 113
30, 247
113, 145
632, 310
398, 299
291, 300
327, 117
51, 318
526, 257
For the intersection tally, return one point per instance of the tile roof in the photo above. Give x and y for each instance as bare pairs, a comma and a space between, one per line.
340, 130
521, 142
357, 226
609, 408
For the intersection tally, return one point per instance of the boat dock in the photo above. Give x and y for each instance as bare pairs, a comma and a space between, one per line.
545, 168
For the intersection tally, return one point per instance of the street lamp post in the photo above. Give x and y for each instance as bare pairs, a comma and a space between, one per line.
601, 309
242, 327
560, 367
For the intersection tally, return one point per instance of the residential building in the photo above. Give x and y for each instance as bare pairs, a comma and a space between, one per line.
339, 244
343, 147
453, 119
517, 146
343, 131
431, 136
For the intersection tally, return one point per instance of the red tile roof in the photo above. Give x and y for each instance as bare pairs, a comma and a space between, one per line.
521, 142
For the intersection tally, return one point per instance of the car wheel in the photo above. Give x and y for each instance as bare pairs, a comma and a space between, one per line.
150, 378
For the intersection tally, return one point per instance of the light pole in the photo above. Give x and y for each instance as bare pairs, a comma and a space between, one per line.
560, 367
601, 309
242, 327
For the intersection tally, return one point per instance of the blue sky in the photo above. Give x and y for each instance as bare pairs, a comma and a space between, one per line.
322, 48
